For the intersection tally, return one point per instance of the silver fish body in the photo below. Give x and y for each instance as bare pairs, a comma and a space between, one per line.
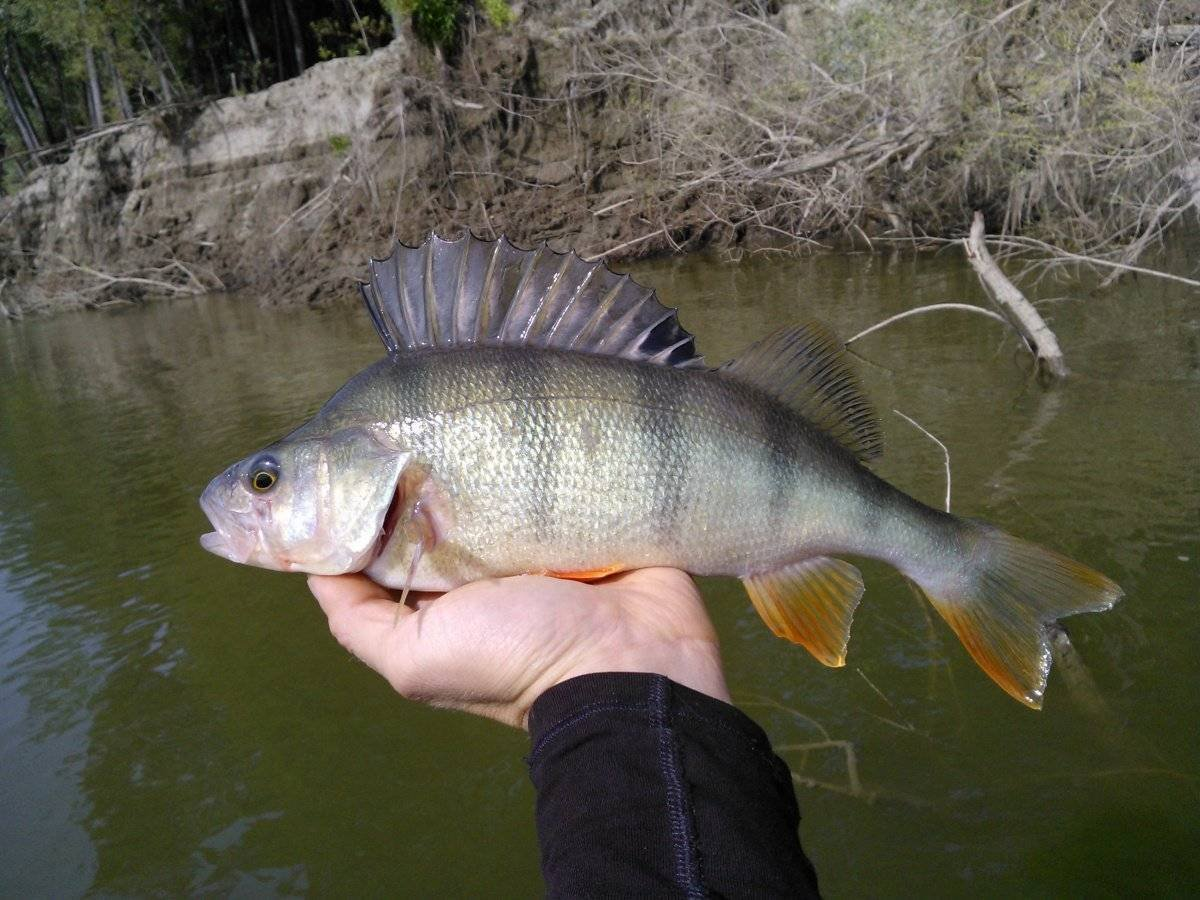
548, 461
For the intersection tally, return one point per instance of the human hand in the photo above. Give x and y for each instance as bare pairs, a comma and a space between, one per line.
493, 647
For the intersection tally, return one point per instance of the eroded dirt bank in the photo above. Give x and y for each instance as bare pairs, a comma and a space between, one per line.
620, 129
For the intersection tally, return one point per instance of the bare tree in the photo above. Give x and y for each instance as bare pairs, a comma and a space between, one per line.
297, 35
95, 98
24, 127
30, 91
118, 83
251, 39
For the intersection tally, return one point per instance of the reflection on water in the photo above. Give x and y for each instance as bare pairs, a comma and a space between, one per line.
172, 723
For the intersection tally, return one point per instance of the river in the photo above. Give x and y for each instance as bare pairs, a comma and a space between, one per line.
171, 723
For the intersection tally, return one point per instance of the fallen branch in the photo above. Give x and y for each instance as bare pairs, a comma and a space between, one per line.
1019, 311
965, 307
1021, 242
945, 451
106, 280
617, 249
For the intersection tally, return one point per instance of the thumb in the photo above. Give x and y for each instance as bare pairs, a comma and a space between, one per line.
364, 619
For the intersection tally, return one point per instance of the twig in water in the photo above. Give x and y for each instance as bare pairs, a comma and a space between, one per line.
966, 307
945, 452
1021, 242
853, 782
907, 725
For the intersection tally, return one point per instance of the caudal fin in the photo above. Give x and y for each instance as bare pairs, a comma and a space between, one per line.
1001, 602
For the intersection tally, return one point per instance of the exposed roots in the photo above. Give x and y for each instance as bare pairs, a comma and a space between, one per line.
624, 129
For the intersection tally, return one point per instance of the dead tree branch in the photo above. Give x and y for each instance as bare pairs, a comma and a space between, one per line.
933, 307
1019, 311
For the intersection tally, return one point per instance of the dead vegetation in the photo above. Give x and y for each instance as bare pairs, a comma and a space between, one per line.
1073, 125
72, 284
625, 129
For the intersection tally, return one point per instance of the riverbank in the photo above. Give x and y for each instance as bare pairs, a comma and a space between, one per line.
629, 129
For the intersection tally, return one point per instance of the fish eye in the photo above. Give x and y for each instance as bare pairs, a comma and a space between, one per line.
264, 474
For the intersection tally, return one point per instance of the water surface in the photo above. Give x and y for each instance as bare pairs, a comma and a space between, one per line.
171, 723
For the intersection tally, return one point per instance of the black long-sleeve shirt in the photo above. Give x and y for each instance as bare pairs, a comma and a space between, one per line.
647, 788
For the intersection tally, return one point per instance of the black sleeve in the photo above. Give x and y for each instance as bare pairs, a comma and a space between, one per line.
647, 788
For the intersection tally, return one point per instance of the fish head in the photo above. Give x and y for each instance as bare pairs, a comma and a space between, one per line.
319, 504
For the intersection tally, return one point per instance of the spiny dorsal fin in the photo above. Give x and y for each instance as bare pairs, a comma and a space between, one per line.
474, 292
806, 368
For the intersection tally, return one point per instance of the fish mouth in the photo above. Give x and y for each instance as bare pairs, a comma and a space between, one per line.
231, 540
225, 545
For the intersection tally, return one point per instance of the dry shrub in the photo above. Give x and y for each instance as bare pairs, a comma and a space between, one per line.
624, 128
1073, 122
705, 123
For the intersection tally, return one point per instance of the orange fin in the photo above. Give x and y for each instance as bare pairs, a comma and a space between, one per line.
1001, 605
811, 603
588, 574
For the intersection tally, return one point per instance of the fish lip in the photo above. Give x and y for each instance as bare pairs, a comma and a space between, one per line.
219, 544
231, 540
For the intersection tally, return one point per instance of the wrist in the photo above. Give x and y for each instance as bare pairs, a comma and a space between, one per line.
693, 663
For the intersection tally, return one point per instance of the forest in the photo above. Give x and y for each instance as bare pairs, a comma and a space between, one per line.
73, 66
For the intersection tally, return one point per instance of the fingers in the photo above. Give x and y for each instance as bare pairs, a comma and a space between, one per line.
363, 618
341, 593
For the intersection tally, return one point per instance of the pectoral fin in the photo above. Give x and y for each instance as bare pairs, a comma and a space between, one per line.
589, 574
811, 603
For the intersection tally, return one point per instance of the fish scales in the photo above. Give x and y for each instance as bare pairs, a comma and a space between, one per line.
583, 462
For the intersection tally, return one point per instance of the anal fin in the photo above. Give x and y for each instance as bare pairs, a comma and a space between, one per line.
810, 603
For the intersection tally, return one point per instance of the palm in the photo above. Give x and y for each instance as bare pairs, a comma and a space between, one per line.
493, 647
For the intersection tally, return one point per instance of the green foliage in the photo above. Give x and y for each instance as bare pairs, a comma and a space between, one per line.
438, 23
340, 144
336, 38
435, 22
497, 12
150, 53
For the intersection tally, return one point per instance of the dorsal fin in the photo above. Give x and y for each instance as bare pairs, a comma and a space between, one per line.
470, 291
806, 368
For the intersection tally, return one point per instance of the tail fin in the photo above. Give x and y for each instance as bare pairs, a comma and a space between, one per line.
1002, 600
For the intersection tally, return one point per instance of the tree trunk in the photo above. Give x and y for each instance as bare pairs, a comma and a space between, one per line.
13, 102
61, 87
165, 94
393, 10
1023, 315
94, 96
118, 83
297, 35
162, 62
34, 100
362, 31
250, 37
278, 40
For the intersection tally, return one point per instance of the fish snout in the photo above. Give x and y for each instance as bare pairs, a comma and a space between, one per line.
225, 503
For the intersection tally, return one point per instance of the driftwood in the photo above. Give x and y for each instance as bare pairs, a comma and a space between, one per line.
4, 311
1019, 311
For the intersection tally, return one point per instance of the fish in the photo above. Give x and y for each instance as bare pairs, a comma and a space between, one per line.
539, 413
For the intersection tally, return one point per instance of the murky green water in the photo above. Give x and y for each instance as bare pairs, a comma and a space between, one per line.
171, 723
